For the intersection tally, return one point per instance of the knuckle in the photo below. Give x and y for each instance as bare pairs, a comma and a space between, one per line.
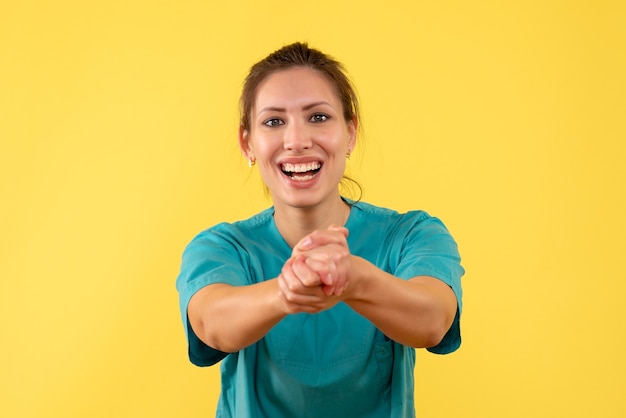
309, 281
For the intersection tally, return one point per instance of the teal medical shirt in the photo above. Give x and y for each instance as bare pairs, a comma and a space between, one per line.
334, 364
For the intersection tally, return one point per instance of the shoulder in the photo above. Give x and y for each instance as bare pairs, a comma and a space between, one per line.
236, 238
391, 228
367, 213
237, 231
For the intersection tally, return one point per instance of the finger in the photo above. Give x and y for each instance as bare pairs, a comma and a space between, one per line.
343, 230
323, 268
331, 263
327, 278
290, 281
299, 279
339, 289
309, 277
294, 294
312, 307
319, 238
327, 273
297, 304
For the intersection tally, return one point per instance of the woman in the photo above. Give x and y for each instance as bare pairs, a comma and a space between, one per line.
315, 305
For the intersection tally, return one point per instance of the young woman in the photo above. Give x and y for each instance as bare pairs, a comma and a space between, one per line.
315, 306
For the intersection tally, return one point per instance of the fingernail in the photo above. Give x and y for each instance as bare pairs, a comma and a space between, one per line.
306, 243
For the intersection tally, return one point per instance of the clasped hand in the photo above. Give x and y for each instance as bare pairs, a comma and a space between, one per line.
317, 273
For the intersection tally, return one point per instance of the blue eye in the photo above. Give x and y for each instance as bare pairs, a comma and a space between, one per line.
319, 117
273, 122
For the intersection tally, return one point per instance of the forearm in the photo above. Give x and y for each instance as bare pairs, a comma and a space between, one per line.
229, 318
416, 312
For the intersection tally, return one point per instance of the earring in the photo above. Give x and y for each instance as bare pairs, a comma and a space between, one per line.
251, 162
348, 155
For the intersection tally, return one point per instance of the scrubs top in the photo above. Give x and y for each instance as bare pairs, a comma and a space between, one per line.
332, 364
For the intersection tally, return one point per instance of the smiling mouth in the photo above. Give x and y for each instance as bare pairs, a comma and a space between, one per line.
301, 172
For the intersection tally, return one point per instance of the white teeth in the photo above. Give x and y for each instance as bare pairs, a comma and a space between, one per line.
302, 178
300, 168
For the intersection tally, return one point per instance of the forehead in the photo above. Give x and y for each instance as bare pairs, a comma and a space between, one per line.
295, 85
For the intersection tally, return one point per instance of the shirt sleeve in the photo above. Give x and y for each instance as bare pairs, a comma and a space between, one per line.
211, 257
428, 249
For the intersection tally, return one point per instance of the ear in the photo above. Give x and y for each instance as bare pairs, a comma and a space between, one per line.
244, 144
352, 131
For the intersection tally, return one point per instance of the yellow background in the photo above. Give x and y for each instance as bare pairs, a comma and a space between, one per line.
118, 124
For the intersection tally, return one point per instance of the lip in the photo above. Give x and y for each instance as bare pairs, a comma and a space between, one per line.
300, 160
300, 184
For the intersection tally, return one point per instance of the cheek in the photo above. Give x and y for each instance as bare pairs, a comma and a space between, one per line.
261, 147
340, 146
264, 153
266, 173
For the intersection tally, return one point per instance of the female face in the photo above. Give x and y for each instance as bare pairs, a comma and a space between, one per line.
299, 137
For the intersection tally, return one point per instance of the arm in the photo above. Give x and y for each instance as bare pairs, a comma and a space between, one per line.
229, 318
416, 312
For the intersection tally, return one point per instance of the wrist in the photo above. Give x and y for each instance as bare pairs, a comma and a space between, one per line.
357, 279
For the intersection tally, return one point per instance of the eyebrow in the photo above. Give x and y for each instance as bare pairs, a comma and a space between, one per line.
282, 109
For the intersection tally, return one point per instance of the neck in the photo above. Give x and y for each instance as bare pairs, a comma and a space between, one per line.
295, 223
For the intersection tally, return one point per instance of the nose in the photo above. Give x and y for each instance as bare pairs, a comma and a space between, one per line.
297, 138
